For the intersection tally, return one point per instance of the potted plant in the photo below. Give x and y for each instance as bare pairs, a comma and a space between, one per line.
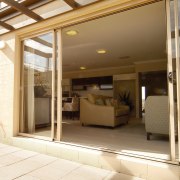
124, 98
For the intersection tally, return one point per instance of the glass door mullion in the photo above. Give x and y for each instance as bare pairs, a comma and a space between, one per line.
176, 19
170, 83
53, 86
59, 85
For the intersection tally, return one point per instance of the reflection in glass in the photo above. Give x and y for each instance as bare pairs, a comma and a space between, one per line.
37, 81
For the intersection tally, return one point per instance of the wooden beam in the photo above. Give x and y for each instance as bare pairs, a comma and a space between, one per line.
42, 41
6, 26
23, 9
37, 52
72, 3
8, 12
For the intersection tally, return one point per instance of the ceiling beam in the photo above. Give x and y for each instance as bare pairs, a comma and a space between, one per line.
9, 13
37, 52
72, 3
6, 26
42, 41
23, 9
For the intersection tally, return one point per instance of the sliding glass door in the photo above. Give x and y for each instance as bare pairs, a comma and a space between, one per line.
37, 86
41, 86
41, 91
173, 27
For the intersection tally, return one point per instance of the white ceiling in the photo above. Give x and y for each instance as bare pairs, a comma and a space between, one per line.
138, 33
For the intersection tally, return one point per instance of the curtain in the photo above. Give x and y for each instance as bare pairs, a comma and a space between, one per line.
30, 111
27, 124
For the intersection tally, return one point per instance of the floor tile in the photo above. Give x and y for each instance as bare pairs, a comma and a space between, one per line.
19, 164
118, 176
88, 172
55, 170
8, 150
15, 157
27, 177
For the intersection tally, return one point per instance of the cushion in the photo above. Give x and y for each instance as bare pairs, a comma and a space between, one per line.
93, 97
99, 101
108, 102
114, 103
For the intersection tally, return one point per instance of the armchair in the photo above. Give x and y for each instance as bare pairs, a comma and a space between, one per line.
156, 115
71, 106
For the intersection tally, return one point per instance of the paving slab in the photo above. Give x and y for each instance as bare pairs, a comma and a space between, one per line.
19, 164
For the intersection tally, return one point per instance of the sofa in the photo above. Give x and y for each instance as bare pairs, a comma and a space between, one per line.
101, 110
157, 116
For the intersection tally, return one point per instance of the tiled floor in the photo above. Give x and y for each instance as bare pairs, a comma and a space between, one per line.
130, 138
16, 163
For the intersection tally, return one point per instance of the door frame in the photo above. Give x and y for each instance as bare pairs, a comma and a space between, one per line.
174, 109
101, 9
21, 93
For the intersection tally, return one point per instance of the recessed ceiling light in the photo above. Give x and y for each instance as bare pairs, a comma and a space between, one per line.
71, 32
82, 68
101, 51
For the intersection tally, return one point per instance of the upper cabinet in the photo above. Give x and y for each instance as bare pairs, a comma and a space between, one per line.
104, 82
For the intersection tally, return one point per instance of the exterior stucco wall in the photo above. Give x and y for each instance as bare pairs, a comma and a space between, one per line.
7, 59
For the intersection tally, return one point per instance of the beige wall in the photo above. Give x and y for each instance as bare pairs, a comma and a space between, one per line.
155, 65
145, 66
7, 58
99, 72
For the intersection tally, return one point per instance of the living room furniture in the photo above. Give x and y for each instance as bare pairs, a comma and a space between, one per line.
156, 115
92, 113
70, 107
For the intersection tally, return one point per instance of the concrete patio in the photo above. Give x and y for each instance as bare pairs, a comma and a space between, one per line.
16, 163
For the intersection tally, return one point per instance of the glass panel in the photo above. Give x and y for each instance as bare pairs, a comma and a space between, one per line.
172, 14
56, 85
82, 60
37, 82
2, 5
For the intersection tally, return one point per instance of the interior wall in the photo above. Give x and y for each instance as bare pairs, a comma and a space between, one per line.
148, 66
99, 72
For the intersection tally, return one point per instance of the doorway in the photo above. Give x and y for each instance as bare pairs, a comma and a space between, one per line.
84, 71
